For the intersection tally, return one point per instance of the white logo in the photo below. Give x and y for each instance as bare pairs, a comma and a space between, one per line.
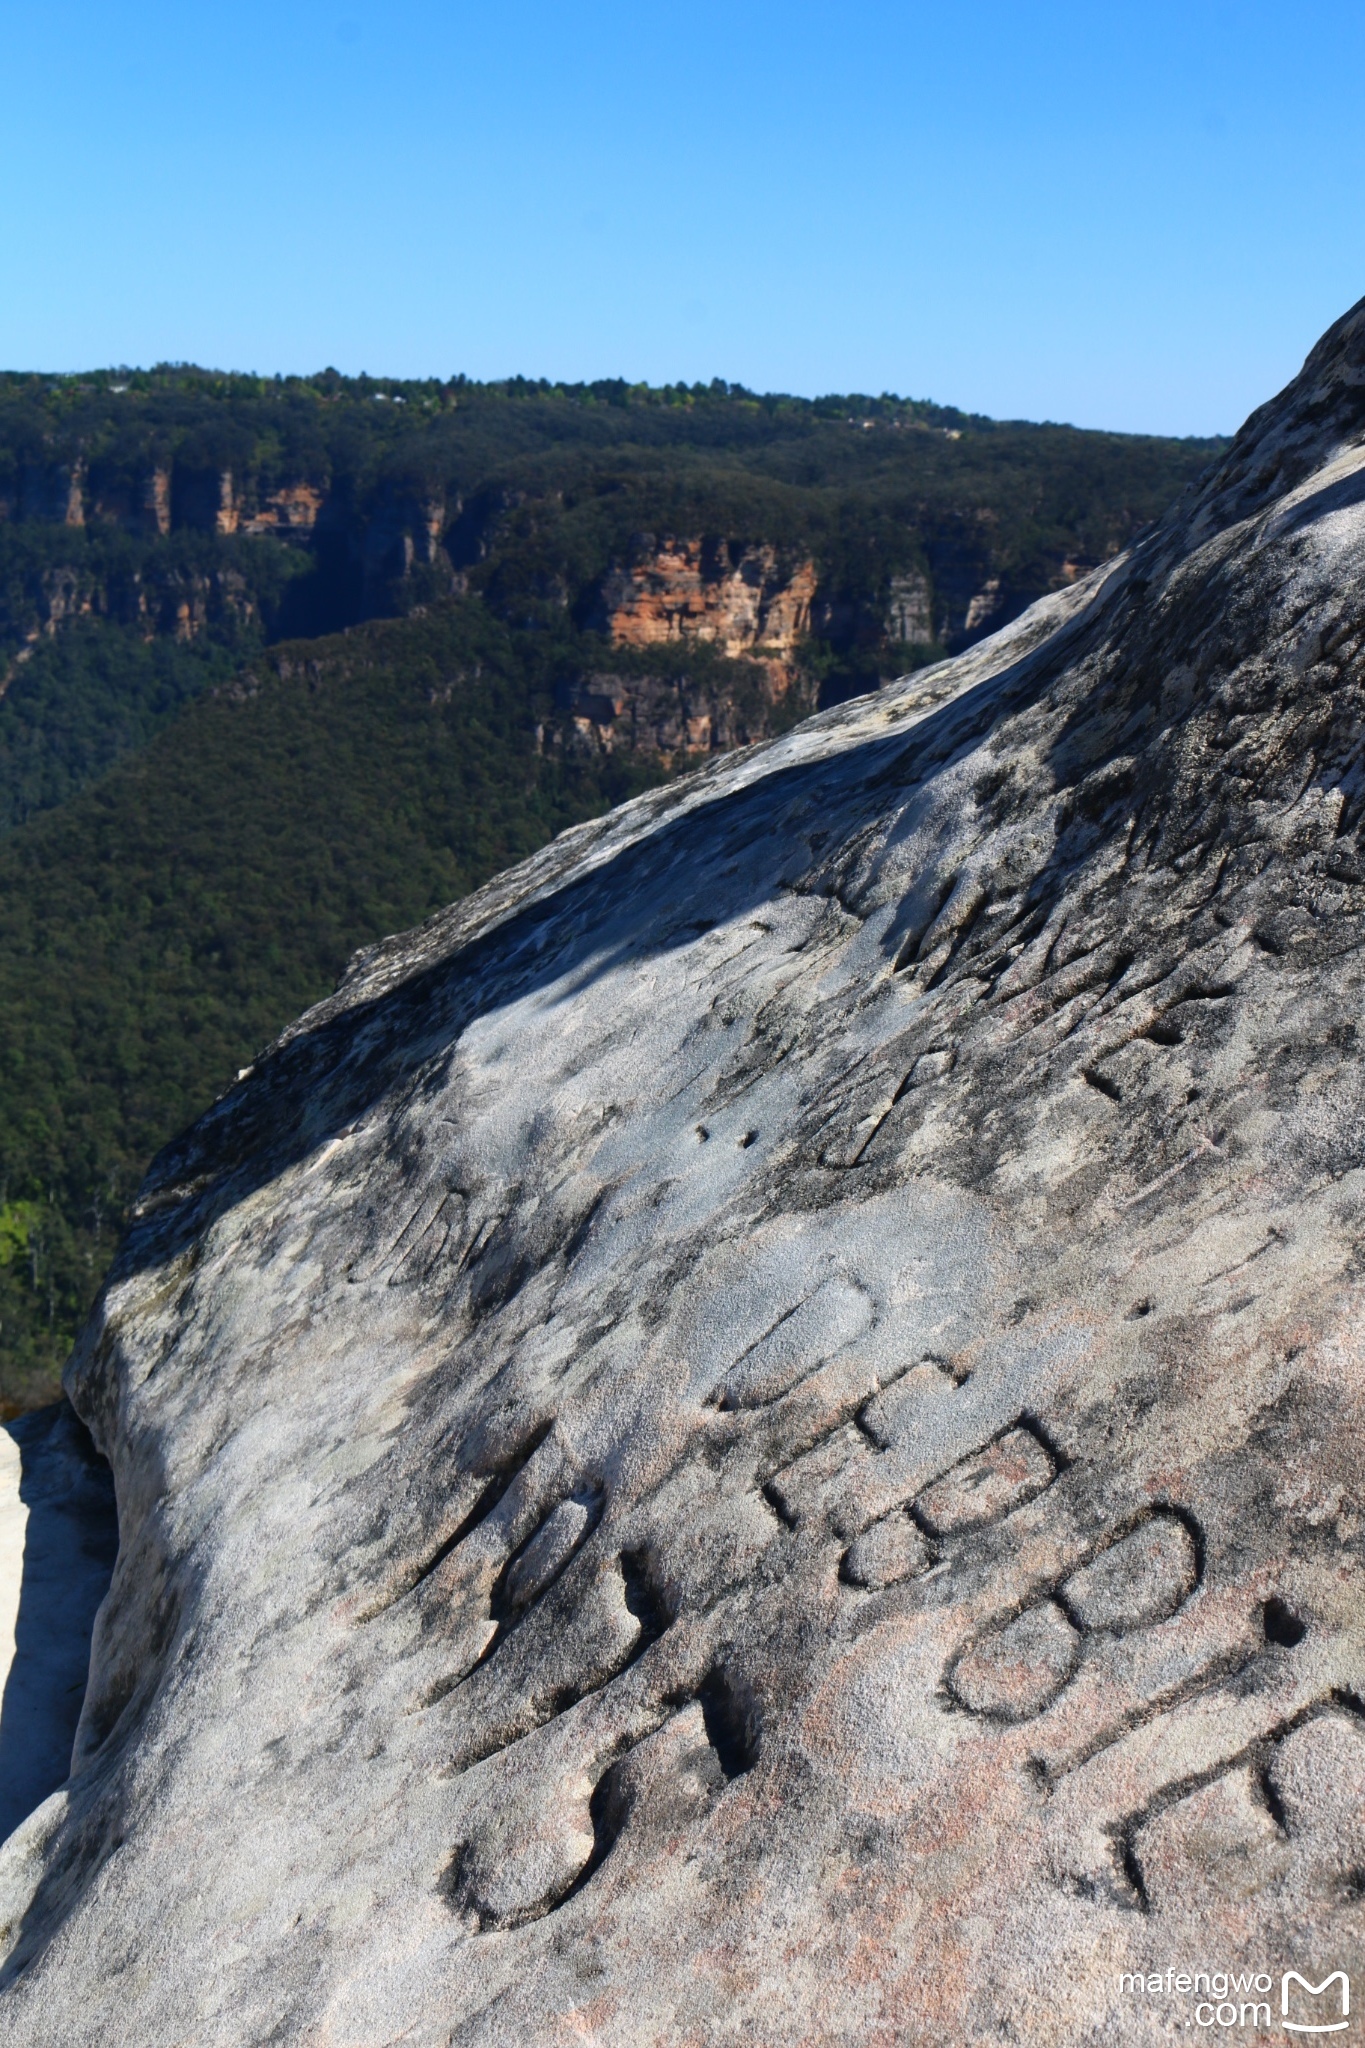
1315, 1991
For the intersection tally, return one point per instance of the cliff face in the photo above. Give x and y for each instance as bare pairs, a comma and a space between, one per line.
738, 597
174, 599
747, 601
743, 598
694, 713
757, 1431
206, 501
292, 509
909, 612
739, 601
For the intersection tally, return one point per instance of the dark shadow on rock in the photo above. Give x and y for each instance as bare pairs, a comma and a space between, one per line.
69, 1542
1342, 495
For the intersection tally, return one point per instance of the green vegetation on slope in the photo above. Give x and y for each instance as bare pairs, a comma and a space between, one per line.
104, 636
158, 930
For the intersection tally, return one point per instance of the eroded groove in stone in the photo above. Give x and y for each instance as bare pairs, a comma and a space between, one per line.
1142, 1578
543, 1557
1015, 1671
805, 1337
492, 1492
891, 1550
661, 1789
1280, 1816
1008, 1473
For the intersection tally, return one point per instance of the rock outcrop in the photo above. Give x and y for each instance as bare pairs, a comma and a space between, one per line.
707, 710
172, 599
742, 602
742, 599
909, 620
757, 1433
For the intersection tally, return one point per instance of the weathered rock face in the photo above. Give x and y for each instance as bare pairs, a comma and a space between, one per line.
909, 618
54, 492
756, 1434
170, 599
675, 716
286, 511
742, 599
742, 602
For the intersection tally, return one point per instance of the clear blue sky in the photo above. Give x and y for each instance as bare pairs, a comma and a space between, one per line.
1126, 215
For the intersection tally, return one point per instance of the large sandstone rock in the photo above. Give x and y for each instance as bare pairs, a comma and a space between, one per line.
755, 1435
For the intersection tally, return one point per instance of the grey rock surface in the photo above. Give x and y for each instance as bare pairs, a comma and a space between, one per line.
953, 1111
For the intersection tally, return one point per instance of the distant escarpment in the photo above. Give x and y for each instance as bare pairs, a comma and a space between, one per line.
851, 537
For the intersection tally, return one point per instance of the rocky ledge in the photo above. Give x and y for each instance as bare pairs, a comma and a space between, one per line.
756, 1433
